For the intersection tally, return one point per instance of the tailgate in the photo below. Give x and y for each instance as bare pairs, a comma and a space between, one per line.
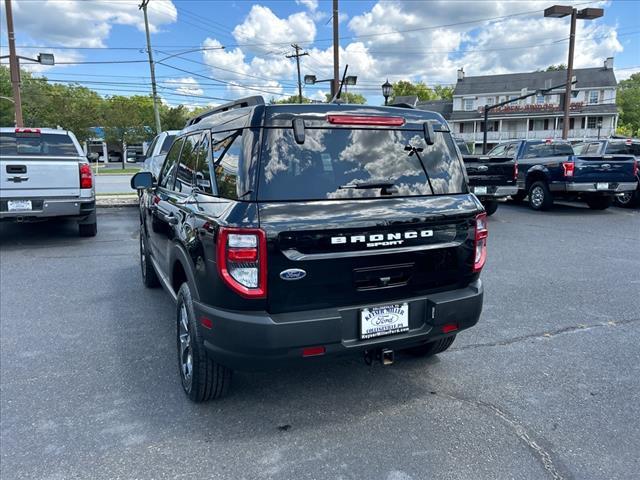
490, 171
604, 168
356, 252
39, 177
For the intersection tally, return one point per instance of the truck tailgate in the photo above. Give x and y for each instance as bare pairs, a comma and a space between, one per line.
490, 171
604, 168
39, 177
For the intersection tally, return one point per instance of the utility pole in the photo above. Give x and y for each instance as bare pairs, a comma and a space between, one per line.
567, 91
336, 51
14, 66
297, 56
156, 111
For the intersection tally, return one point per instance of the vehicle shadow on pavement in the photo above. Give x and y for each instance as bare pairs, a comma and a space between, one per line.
33, 234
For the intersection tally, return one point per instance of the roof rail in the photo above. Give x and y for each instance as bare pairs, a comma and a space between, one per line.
240, 103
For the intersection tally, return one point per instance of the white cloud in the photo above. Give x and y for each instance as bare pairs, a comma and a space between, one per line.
186, 85
76, 23
312, 5
261, 26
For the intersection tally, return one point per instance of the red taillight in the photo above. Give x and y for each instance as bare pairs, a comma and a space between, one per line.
481, 234
28, 130
86, 176
206, 322
515, 171
569, 168
365, 120
313, 351
449, 327
635, 167
242, 260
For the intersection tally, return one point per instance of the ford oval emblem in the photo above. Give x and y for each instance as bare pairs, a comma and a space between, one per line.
293, 274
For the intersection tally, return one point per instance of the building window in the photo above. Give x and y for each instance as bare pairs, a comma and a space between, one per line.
461, 127
539, 99
593, 96
468, 104
593, 122
490, 100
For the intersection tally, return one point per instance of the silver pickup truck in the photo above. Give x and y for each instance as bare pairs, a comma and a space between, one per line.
44, 174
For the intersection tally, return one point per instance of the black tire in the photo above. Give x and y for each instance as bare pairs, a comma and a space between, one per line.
628, 200
432, 348
490, 207
518, 197
207, 379
540, 197
149, 275
599, 203
88, 229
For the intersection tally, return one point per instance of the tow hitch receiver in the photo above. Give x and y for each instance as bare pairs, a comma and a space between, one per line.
383, 355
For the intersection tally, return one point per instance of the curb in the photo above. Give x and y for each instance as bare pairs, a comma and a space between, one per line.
113, 202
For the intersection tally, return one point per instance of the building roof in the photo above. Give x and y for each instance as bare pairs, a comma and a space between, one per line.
406, 99
515, 82
443, 107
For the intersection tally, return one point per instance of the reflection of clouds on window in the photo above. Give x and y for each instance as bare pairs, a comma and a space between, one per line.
380, 153
286, 155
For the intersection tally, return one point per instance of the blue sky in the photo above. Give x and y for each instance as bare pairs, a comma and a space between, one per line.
396, 39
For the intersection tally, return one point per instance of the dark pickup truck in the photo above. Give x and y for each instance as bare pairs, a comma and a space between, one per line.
549, 169
490, 178
615, 146
296, 233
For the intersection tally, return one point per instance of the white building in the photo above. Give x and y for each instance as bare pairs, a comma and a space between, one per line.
593, 105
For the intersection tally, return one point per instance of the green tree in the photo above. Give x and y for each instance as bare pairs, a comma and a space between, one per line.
174, 118
291, 99
556, 68
128, 119
404, 88
628, 101
349, 97
443, 92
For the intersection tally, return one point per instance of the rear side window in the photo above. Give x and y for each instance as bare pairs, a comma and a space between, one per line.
624, 149
45, 144
540, 150
226, 158
187, 165
203, 172
166, 145
170, 163
150, 148
339, 163
497, 151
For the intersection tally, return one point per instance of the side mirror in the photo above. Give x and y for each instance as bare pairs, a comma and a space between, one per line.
92, 156
142, 181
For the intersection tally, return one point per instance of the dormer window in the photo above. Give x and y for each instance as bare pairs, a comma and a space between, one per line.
468, 104
593, 97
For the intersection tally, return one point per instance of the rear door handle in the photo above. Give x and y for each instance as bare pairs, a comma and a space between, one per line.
171, 219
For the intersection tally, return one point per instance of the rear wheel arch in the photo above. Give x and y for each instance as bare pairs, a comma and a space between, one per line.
181, 272
535, 176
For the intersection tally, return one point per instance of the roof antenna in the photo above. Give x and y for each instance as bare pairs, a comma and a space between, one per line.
336, 97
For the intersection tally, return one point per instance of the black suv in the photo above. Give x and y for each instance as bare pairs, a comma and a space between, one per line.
296, 232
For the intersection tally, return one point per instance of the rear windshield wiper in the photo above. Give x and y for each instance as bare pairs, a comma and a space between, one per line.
372, 184
387, 186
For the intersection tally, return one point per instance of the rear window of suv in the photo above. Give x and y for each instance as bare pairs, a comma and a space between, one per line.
620, 148
332, 162
543, 149
46, 144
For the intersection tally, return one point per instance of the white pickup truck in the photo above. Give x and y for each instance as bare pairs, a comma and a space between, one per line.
44, 174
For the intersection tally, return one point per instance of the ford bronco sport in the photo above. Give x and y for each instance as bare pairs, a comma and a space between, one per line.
300, 232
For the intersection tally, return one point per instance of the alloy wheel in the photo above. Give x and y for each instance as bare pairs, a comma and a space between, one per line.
186, 352
537, 196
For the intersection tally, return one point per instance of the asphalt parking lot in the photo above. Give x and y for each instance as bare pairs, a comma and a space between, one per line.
546, 386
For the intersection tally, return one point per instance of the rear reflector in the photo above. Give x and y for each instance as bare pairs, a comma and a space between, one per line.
313, 351
243, 254
206, 322
365, 120
449, 327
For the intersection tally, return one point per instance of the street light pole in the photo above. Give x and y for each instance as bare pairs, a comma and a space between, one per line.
14, 66
559, 11
336, 51
156, 111
567, 90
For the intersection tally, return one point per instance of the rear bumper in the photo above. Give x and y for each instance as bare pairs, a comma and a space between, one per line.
496, 192
592, 187
49, 208
258, 340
